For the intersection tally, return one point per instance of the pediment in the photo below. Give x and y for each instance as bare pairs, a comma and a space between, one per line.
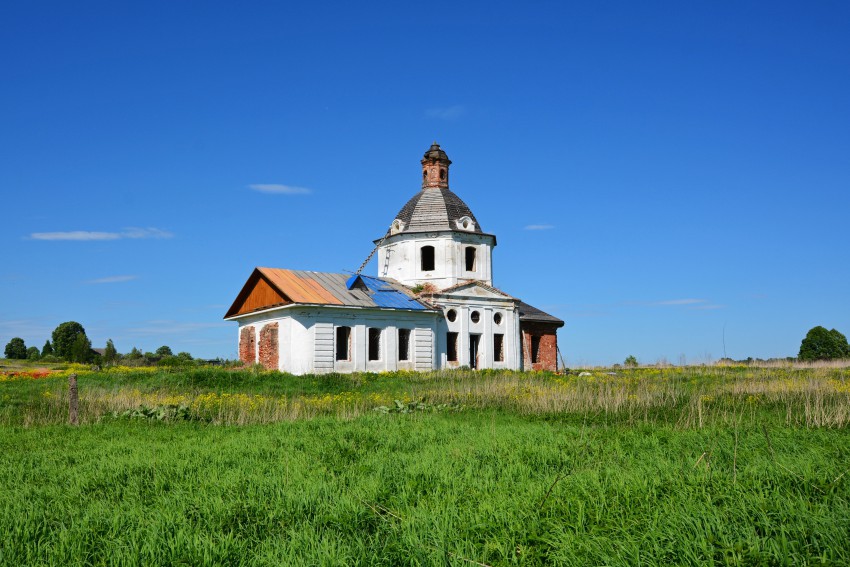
257, 294
474, 289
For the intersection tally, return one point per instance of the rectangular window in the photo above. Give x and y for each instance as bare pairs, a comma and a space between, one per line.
470, 258
535, 349
343, 343
451, 347
374, 344
427, 258
499, 347
404, 344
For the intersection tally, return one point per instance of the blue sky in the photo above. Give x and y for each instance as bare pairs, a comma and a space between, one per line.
660, 175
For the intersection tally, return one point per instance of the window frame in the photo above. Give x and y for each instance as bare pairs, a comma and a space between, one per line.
498, 347
422, 258
403, 337
347, 330
473, 257
373, 344
452, 338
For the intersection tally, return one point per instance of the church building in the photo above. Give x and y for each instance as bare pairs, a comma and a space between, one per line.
433, 304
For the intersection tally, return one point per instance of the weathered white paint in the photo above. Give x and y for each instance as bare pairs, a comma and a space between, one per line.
473, 297
399, 257
307, 336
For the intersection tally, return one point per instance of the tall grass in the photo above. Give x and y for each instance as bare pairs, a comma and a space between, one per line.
703, 465
422, 489
686, 397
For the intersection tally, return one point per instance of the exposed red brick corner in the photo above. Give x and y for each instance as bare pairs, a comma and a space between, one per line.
268, 346
547, 353
247, 345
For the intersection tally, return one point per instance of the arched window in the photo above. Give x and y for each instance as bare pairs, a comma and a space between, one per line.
470, 258
427, 258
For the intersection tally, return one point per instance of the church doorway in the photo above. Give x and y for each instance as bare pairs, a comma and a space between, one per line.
474, 343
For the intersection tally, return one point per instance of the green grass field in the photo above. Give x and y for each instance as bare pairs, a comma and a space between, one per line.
737, 466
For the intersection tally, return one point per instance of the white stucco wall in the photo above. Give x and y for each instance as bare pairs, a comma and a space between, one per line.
307, 334
486, 327
399, 258
307, 338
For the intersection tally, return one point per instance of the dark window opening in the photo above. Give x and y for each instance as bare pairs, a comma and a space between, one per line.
343, 343
497, 318
427, 256
425, 175
535, 349
374, 344
451, 347
474, 343
499, 347
404, 344
475, 316
443, 174
451, 315
470, 258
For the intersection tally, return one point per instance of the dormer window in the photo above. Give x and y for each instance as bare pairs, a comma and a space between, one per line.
397, 226
465, 223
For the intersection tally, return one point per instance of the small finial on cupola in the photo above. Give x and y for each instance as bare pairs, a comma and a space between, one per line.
435, 168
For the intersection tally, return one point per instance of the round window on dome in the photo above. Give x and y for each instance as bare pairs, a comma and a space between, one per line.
475, 316
451, 315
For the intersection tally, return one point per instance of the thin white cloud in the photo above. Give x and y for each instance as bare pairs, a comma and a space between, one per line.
446, 112
709, 306
539, 227
112, 279
280, 189
679, 302
89, 235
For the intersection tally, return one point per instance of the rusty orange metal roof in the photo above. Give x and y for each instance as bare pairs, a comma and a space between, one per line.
284, 287
299, 287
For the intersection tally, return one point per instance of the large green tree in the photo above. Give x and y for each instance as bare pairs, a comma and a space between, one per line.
47, 348
16, 348
821, 344
64, 337
33, 353
109, 353
81, 349
164, 351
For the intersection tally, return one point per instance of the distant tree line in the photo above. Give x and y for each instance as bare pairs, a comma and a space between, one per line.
70, 344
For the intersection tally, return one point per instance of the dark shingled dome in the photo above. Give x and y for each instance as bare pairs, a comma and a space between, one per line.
435, 152
435, 209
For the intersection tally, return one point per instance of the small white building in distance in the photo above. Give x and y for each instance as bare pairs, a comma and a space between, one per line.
433, 304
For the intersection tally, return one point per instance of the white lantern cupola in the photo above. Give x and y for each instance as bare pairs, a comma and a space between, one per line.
435, 238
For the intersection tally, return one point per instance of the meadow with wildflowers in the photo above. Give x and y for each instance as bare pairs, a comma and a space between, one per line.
735, 465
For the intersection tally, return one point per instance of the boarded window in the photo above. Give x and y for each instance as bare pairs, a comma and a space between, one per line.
343, 343
451, 347
404, 344
374, 344
427, 256
499, 347
470, 258
535, 349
